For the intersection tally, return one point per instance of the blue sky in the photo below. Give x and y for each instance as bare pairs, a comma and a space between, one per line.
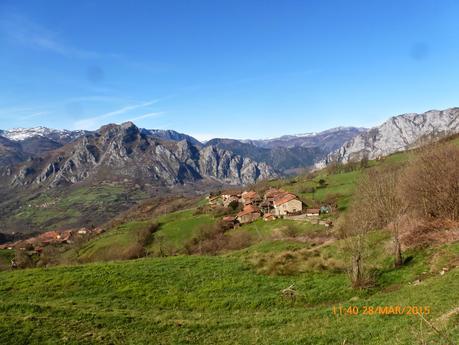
227, 68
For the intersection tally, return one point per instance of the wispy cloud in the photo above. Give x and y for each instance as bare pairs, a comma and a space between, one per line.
22, 113
147, 115
20, 29
92, 123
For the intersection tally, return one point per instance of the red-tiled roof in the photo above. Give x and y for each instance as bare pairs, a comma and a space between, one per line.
283, 198
247, 210
250, 195
49, 236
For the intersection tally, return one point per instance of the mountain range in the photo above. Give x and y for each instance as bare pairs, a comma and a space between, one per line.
50, 157
54, 177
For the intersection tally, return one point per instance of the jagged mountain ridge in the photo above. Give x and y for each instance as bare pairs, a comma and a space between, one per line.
399, 133
280, 158
117, 152
285, 154
328, 140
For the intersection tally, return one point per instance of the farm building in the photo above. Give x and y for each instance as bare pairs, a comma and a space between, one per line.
215, 200
286, 204
228, 197
312, 212
250, 198
248, 214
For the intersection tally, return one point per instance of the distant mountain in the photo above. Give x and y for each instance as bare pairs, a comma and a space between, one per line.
119, 152
399, 133
10, 152
280, 158
290, 152
284, 154
328, 140
61, 136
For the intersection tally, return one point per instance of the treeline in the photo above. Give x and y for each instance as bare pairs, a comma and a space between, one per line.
414, 202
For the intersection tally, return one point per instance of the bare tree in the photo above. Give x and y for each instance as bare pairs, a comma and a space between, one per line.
382, 204
354, 228
430, 183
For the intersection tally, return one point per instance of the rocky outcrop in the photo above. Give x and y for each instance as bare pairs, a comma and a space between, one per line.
399, 133
117, 152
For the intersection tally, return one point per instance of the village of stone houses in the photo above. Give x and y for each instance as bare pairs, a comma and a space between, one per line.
275, 203
243, 206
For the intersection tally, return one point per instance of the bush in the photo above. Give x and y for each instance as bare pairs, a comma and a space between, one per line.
430, 184
212, 238
290, 230
234, 205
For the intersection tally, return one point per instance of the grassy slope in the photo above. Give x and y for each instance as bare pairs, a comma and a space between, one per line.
177, 227
78, 207
115, 241
211, 300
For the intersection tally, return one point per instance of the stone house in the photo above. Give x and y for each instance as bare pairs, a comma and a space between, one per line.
228, 197
285, 204
249, 214
250, 198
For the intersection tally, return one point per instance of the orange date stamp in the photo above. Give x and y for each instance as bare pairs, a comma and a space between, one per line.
410, 310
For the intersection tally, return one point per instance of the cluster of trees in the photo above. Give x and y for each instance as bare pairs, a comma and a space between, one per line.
426, 188
353, 165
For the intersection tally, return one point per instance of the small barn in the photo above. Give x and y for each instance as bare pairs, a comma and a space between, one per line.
313, 212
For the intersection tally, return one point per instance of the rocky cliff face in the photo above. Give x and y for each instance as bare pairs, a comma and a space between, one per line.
118, 152
281, 158
399, 133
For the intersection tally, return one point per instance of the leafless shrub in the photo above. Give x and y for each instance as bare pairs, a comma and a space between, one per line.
23, 259
430, 183
238, 240
421, 233
353, 228
290, 230
382, 205
212, 239
293, 262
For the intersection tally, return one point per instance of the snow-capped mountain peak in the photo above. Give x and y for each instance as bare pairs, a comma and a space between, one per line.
20, 134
